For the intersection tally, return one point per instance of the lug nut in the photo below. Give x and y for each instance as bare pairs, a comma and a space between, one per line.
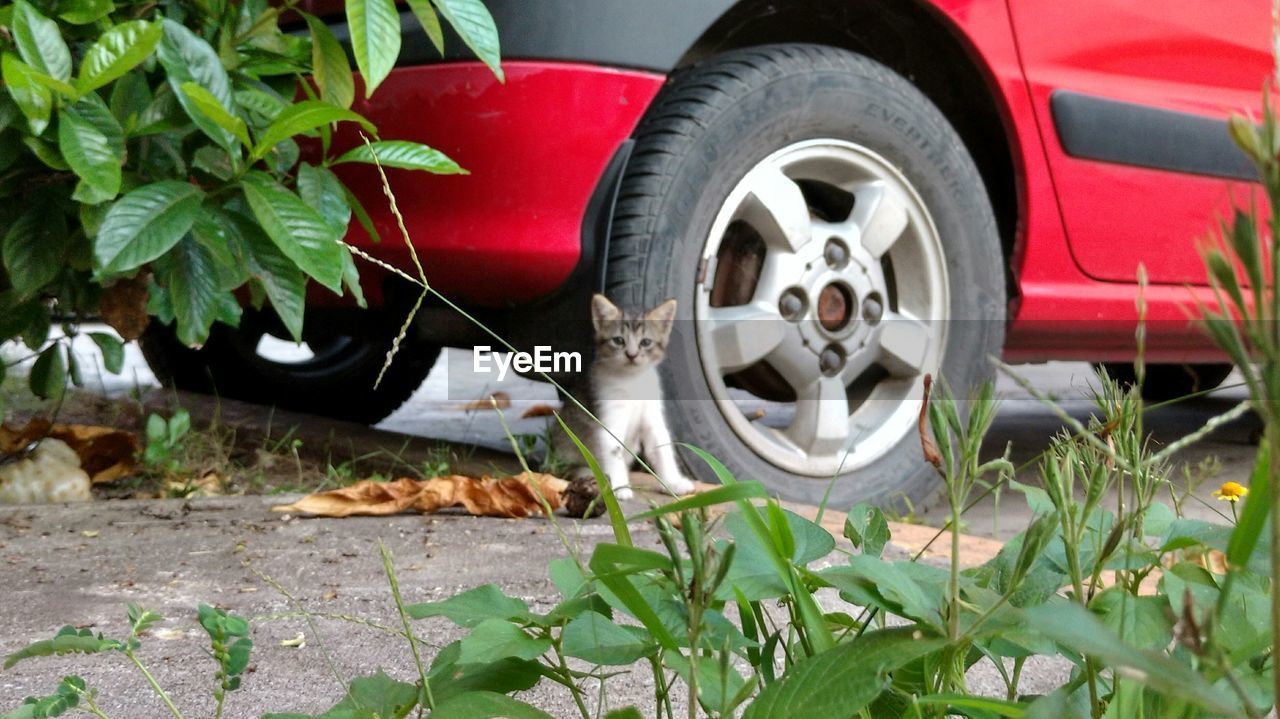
836, 254
831, 361
872, 309
792, 304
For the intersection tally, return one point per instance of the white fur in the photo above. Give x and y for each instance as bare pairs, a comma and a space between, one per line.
633, 413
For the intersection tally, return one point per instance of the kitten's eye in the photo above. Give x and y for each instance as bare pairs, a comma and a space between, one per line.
619, 341
646, 342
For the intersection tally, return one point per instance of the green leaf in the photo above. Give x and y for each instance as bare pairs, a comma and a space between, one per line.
40, 42
430, 22
49, 373
472, 607
32, 97
299, 231
68, 640
116, 52
92, 143
866, 527
494, 639
449, 678
189, 272
46, 152
753, 570
205, 102
322, 190
405, 155
473, 23
718, 683
486, 705
187, 57
375, 39
145, 224
1075, 628
300, 118
1138, 621
329, 64
284, 283
34, 249
871, 580
83, 12
112, 351
597, 640
838, 683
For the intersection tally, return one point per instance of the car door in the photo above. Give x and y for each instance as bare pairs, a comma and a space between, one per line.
1132, 100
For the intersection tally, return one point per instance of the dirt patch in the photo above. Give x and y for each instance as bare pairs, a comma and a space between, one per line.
200, 446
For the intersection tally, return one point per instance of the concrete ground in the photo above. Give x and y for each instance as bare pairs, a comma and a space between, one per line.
80, 564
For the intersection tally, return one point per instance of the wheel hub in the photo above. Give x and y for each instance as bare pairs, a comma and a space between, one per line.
822, 311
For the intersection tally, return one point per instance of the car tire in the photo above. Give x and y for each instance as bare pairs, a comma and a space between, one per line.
336, 381
1166, 382
846, 128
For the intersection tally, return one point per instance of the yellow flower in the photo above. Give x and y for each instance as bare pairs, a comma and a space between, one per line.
1231, 491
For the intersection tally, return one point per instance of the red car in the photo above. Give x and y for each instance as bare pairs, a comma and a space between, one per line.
843, 195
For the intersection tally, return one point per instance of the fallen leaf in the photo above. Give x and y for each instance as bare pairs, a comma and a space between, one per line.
538, 410
106, 453
210, 484
90, 533
299, 641
497, 400
758, 414
330, 595
516, 496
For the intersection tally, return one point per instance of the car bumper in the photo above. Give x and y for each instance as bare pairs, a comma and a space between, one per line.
535, 147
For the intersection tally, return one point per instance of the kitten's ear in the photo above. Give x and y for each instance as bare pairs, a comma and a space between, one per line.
602, 310
663, 315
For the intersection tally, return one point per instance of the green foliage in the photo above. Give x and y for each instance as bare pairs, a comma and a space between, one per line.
150, 140
165, 439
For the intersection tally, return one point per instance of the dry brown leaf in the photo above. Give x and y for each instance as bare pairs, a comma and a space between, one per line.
124, 307
210, 484
497, 400
106, 453
930, 447
514, 496
538, 410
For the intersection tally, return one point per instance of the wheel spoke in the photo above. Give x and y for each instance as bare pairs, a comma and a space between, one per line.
777, 209
821, 425
888, 218
904, 344
743, 335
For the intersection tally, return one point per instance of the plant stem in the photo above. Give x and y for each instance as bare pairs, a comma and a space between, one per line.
160, 692
1272, 434
389, 568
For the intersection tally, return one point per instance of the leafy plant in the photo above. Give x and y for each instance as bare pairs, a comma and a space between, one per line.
151, 161
229, 640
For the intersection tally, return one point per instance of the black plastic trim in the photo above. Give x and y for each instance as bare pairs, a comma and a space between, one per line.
1126, 133
648, 35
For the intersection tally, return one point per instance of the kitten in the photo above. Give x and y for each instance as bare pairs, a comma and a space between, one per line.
623, 391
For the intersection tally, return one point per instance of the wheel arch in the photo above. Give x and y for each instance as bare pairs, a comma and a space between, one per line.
918, 42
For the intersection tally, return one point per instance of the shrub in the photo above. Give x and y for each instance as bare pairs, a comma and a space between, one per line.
150, 162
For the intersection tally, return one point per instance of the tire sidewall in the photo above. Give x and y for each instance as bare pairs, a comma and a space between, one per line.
866, 104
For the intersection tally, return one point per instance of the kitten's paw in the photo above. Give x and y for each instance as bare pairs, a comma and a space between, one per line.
623, 493
680, 485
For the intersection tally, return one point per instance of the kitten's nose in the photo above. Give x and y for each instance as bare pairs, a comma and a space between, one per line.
632, 356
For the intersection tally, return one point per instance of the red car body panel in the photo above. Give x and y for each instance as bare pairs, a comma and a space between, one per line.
511, 231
